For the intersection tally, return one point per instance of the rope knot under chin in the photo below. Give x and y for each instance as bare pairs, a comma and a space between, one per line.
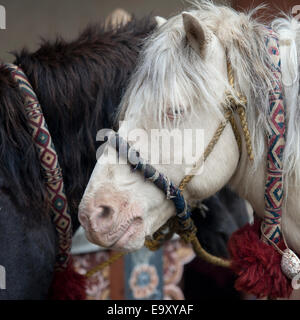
187, 234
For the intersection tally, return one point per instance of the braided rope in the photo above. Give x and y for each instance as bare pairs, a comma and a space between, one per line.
236, 133
242, 114
105, 264
228, 117
191, 237
162, 235
205, 256
239, 104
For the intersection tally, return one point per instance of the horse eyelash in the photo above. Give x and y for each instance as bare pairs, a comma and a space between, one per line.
175, 114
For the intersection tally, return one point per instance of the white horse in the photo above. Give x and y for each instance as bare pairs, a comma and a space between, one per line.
181, 82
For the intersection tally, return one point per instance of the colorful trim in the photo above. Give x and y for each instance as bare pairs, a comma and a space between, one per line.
50, 166
276, 143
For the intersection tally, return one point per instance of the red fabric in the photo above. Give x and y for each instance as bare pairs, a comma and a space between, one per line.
257, 264
68, 285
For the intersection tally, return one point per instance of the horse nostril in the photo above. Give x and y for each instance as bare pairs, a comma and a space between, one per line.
97, 218
105, 212
100, 218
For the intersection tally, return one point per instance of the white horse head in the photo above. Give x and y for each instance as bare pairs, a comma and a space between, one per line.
181, 82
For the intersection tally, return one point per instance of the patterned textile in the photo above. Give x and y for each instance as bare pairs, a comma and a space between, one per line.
97, 286
276, 143
175, 256
50, 166
144, 275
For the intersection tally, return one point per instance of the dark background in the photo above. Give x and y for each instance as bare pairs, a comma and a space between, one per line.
28, 20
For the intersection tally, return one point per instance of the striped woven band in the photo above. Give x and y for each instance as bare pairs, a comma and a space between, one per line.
276, 143
50, 166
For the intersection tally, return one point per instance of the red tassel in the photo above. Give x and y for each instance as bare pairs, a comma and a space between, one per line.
68, 285
257, 264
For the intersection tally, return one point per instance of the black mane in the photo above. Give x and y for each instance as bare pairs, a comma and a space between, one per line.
79, 85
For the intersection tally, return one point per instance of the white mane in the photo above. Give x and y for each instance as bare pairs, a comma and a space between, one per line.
171, 75
289, 36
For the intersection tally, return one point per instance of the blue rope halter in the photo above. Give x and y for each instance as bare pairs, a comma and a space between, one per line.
172, 192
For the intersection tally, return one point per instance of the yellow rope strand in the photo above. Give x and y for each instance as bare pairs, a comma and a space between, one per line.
191, 237
162, 235
230, 74
240, 106
207, 151
236, 133
244, 124
105, 264
204, 255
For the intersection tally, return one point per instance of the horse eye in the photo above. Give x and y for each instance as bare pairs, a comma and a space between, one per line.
175, 114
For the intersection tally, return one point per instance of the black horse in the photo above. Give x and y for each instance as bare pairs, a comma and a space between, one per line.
79, 85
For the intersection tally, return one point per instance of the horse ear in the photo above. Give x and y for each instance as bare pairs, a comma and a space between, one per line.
194, 33
118, 18
160, 21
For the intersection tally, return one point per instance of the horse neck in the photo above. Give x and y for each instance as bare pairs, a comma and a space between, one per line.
249, 184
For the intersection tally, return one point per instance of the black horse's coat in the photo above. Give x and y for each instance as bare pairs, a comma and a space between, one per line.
79, 85
225, 214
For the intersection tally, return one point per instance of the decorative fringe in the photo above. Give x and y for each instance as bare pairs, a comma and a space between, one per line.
257, 264
68, 285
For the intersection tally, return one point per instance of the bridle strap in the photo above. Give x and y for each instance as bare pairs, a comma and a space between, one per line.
228, 118
239, 104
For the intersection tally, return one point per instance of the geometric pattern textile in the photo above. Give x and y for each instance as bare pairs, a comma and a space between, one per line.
50, 166
276, 142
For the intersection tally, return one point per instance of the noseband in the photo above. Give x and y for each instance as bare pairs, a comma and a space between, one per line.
182, 222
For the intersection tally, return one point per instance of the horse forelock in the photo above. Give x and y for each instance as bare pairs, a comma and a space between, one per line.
170, 73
